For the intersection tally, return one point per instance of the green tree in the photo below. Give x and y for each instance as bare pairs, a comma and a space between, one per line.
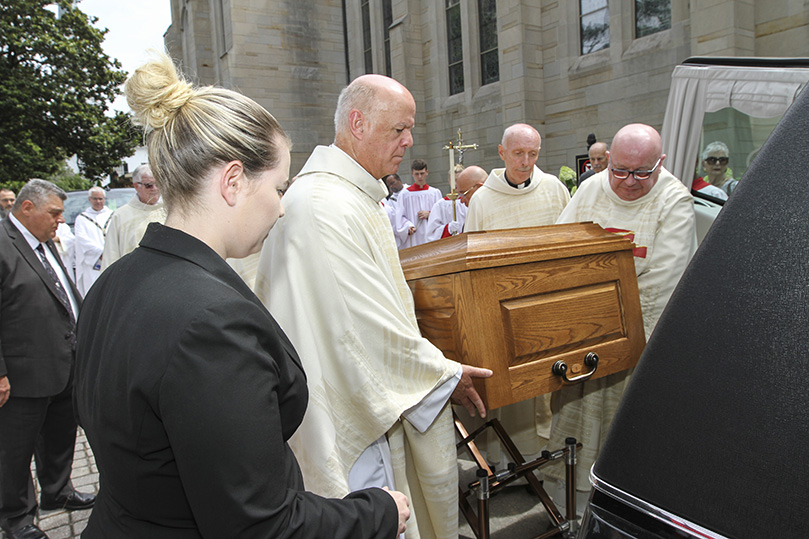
69, 180
55, 86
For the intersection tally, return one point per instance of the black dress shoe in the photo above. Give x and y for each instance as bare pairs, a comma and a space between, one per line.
28, 532
74, 501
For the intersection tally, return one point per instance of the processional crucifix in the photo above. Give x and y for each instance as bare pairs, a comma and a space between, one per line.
460, 147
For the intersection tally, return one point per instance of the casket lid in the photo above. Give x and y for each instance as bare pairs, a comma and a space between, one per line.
490, 249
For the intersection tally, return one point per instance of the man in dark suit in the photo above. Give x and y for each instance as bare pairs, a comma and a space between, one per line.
38, 309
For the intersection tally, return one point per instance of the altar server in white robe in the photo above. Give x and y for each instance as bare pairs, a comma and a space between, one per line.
129, 222
414, 204
637, 197
442, 223
90, 230
519, 195
378, 413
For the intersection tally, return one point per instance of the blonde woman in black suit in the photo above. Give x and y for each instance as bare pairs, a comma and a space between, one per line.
187, 388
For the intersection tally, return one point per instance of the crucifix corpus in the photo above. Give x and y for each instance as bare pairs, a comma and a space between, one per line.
460, 147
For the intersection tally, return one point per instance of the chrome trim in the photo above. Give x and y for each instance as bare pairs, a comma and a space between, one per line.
683, 525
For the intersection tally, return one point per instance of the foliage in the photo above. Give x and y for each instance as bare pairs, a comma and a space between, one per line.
69, 180
568, 177
55, 85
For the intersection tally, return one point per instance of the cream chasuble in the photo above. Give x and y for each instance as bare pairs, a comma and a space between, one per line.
126, 228
330, 274
497, 205
662, 226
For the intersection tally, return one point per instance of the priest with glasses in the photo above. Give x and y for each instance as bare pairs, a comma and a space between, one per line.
637, 197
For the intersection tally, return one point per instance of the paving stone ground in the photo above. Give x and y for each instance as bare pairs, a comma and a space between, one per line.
515, 512
63, 524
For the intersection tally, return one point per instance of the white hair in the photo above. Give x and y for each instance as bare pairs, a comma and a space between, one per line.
715, 146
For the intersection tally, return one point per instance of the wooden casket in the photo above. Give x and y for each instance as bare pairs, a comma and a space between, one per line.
531, 304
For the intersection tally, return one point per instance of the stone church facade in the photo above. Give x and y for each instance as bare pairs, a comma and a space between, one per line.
569, 68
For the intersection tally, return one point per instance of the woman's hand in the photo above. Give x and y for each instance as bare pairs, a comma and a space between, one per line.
402, 505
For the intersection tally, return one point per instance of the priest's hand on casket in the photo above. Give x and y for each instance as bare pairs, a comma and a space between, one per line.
465, 393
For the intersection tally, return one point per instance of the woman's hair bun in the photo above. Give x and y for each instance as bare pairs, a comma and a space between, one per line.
155, 92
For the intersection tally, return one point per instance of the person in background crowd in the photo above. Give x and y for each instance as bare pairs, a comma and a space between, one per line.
90, 229
414, 204
395, 186
128, 223
598, 161
441, 223
715, 164
7, 199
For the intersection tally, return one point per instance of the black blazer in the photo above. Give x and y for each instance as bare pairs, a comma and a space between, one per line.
188, 391
36, 334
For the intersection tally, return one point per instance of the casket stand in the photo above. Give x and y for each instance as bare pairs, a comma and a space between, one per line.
541, 307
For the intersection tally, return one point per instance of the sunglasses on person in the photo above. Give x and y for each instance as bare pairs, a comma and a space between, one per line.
715, 160
640, 175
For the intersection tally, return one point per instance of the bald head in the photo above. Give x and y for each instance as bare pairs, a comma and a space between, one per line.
598, 156
468, 181
373, 122
519, 150
635, 147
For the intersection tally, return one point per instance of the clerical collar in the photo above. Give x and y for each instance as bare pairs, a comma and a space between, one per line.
517, 185
416, 187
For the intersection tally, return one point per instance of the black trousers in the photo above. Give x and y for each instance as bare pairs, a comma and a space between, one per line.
44, 428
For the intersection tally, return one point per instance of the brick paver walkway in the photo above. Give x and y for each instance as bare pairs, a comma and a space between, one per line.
63, 524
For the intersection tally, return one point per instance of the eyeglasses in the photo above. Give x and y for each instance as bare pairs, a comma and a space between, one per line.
640, 175
470, 190
148, 185
715, 160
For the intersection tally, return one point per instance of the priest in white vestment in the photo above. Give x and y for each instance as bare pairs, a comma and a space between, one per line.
637, 197
330, 274
90, 230
442, 222
129, 222
519, 195
414, 204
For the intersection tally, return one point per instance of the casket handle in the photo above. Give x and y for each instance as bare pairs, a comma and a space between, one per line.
560, 368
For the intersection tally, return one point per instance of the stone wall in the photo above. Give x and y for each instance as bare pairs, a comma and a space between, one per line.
290, 55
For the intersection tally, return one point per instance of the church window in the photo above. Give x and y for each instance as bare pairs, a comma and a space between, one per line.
489, 62
652, 16
387, 20
454, 46
594, 25
366, 36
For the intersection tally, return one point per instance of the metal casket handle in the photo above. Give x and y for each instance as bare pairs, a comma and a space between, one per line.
560, 368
